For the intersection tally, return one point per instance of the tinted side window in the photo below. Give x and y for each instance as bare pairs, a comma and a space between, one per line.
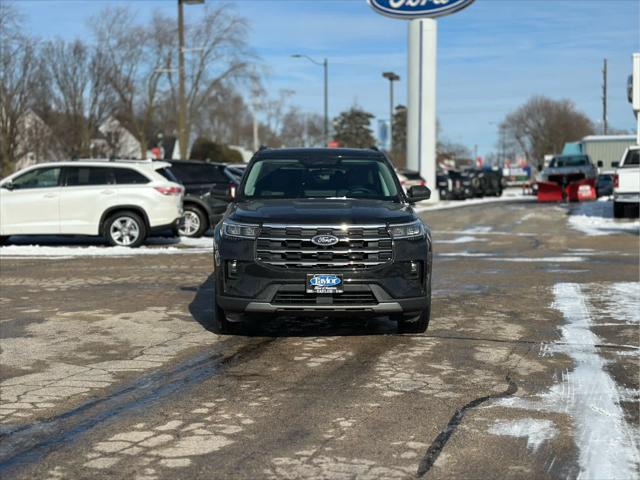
87, 176
633, 159
192, 173
168, 174
126, 176
39, 178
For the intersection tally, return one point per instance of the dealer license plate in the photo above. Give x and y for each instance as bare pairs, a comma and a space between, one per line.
324, 283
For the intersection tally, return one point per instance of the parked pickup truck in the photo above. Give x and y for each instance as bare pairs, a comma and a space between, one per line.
626, 187
568, 178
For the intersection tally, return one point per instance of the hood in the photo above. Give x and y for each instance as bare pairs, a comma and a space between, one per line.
588, 171
321, 212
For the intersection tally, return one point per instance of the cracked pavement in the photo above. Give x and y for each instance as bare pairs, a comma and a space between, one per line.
110, 366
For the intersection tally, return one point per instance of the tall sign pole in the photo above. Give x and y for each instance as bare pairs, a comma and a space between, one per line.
634, 92
421, 104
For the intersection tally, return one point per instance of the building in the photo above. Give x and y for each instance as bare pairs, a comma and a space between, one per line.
36, 142
117, 140
602, 148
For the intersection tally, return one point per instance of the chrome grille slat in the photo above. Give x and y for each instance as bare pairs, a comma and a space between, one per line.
290, 247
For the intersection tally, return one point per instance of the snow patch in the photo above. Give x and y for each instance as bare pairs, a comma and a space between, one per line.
464, 254
607, 445
541, 259
596, 219
536, 431
622, 302
509, 195
462, 240
53, 248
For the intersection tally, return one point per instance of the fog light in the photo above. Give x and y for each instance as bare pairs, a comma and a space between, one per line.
232, 268
414, 267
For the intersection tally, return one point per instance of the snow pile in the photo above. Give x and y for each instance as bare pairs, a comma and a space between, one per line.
60, 248
596, 218
509, 195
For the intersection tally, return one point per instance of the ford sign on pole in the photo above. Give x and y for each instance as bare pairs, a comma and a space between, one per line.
409, 9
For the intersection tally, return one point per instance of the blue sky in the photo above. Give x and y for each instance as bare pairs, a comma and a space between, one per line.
491, 57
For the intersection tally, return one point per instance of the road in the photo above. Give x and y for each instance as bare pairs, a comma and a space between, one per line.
529, 369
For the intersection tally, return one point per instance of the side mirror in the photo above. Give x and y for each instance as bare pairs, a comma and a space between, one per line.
9, 185
615, 164
600, 164
417, 193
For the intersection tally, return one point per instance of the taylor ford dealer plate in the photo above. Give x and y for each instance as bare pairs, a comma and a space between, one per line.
324, 283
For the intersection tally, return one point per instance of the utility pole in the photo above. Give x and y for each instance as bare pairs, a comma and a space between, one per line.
183, 137
605, 126
325, 66
182, 107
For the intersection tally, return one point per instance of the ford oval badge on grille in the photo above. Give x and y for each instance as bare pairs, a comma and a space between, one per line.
324, 240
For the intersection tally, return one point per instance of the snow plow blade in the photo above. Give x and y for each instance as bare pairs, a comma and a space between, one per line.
578, 191
549, 192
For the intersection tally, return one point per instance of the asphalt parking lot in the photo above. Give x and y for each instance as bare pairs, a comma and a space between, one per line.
529, 369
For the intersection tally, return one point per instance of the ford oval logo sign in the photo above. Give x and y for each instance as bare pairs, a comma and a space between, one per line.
418, 8
324, 240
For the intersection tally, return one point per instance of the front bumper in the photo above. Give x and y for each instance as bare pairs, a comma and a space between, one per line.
323, 304
626, 197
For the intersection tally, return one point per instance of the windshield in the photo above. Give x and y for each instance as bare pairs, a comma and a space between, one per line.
572, 161
329, 178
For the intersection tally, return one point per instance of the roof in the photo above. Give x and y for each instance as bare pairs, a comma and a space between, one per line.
610, 138
92, 162
318, 153
196, 162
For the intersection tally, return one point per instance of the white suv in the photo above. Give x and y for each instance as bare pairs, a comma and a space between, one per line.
122, 201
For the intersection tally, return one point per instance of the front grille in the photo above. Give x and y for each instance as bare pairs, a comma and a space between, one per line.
567, 178
340, 299
291, 248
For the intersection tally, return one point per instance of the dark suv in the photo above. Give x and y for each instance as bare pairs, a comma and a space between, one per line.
326, 232
202, 208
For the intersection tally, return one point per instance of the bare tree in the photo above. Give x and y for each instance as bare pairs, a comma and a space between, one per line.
217, 55
542, 126
137, 57
80, 93
18, 64
301, 129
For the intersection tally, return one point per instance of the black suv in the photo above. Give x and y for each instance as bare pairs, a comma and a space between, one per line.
202, 207
326, 232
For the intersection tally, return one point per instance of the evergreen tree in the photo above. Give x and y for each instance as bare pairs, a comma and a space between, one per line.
353, 129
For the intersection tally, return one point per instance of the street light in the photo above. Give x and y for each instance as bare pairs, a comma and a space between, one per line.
392, 77
182, 102
324, 64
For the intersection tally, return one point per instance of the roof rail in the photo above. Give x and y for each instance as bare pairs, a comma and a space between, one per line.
263, 147
114, 159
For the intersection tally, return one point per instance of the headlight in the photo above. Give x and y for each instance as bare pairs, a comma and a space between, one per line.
239, 230
411, 230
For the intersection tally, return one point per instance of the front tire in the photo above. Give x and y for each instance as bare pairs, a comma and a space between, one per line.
125, 229
194, 222
221, 325
415, 323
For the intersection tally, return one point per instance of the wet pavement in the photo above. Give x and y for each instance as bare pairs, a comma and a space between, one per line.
110, 367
